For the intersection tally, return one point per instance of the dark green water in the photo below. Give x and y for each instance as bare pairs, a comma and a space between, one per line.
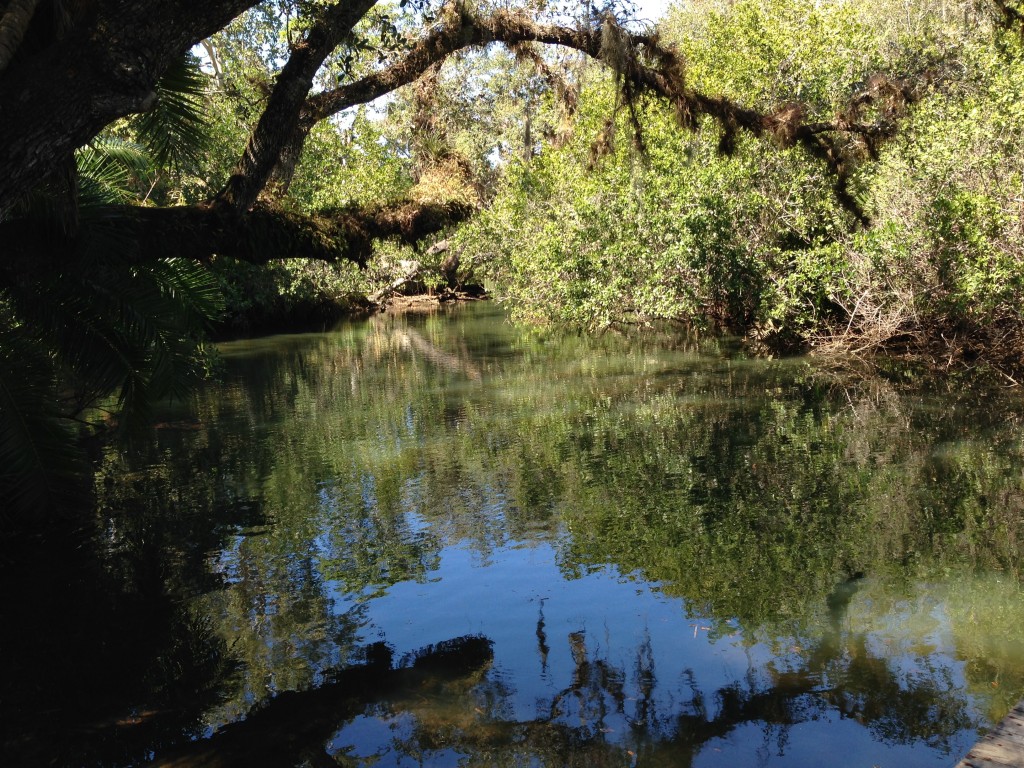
677, 556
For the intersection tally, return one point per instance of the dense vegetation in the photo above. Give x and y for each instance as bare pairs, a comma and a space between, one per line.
803, 174
920, 248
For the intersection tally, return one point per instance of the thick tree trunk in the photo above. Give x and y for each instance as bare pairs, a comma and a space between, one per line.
106, 67
279, 121
288, 161
13, 25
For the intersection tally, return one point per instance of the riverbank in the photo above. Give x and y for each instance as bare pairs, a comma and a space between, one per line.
994, 354
935, 346
321, 315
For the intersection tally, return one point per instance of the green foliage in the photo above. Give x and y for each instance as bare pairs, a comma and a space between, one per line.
174, 129
350, 164
766, 53
111, 171
676, 233
345, 163
288, 293
38, 463
96, 325
946, 199
101, 327
487, 108
756, 241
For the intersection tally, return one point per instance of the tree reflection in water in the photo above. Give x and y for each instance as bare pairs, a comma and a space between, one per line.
599, 720
237, 559
443, 703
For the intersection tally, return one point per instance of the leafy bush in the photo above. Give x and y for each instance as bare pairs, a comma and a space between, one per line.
677, 232
756, 241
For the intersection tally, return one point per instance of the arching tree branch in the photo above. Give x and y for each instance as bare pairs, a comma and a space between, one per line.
107, 64
643, 65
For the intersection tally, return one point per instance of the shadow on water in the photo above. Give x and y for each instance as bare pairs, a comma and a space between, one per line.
293, 727
646, 555
86, 651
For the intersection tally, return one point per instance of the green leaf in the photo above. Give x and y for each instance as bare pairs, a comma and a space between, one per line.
175, 129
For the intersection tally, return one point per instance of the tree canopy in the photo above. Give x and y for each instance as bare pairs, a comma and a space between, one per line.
94, 63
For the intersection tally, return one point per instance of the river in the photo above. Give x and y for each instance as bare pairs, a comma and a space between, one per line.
536, 548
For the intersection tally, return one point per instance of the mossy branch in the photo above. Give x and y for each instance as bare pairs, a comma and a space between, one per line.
263, 234
644, 64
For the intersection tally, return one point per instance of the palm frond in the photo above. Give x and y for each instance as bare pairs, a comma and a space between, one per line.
119, 328
198, 295
101, 326
174, 130
110, 171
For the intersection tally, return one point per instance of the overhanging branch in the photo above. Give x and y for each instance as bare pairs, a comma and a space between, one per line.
258, 236
643, 65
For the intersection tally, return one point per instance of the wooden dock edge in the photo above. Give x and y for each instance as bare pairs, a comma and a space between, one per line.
1002, 747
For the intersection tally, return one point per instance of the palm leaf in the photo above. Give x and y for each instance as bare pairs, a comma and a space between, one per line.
134, 331
110, 171
101, 326
198, 295
174, 130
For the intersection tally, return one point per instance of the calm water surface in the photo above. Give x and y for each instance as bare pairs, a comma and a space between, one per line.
535, 550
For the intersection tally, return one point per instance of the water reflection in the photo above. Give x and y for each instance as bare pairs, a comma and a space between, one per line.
292, 728
101, 662
680, 556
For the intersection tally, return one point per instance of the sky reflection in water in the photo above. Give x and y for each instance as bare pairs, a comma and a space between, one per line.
681, 557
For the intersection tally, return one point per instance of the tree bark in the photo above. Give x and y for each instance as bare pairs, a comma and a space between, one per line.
106, 67
257, 236
278, 123
288, 161
13, 25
